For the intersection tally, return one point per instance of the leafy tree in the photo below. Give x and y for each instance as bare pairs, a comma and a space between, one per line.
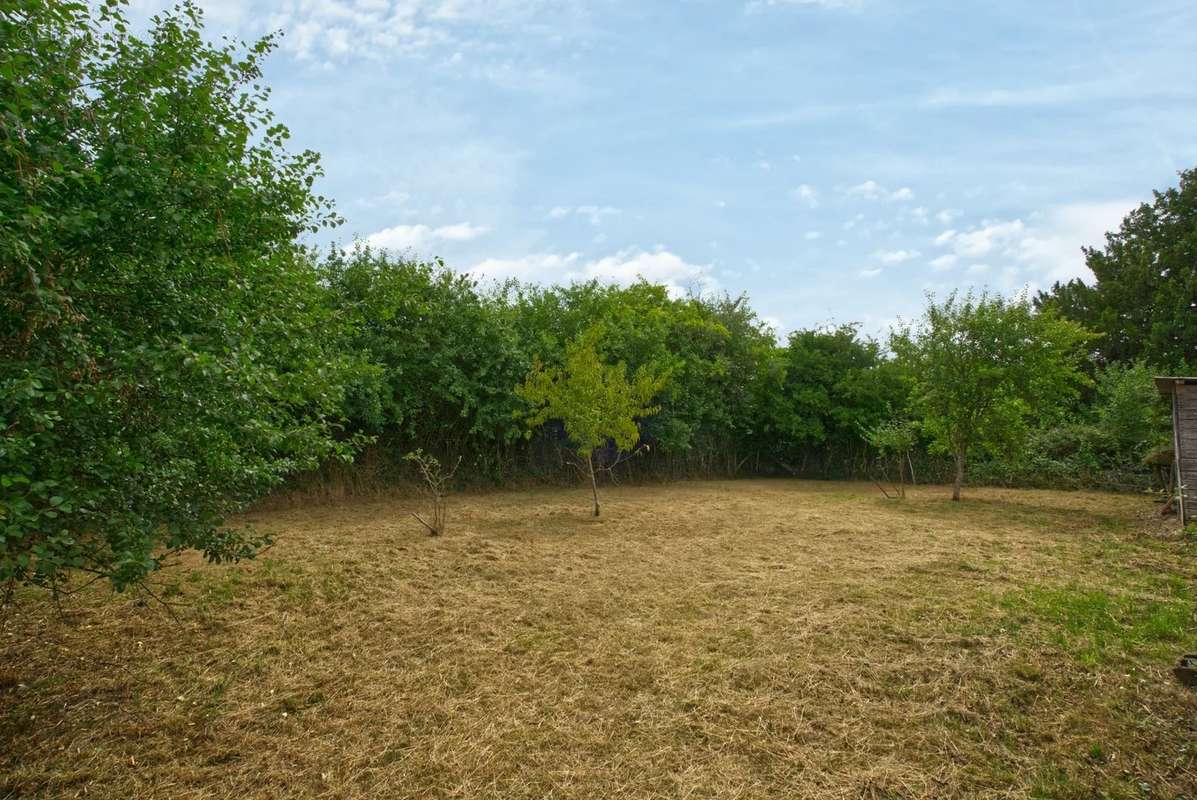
1144, 298
595, 401
167, 353
982, 367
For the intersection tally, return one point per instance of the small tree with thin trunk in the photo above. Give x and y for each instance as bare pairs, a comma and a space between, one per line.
595, 401
894, 439
982, 366
436, 480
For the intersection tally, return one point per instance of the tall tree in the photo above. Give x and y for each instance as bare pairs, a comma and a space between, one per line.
594, 400
163, 338
1144, 296
982, 366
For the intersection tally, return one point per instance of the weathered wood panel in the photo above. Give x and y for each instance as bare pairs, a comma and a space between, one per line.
1185, 420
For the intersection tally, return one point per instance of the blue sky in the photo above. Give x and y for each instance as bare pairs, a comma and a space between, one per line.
835, 159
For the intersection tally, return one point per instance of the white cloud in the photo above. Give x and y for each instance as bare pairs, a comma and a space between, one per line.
1001, 98
947, 215
806, 194
1046, 249
895, 256
1053, 245
946, 261
459, 232
595, 214
542, 267
870, 273
623, 268
811, 236
395, 198
872, 190
411, 237
983, 240
487, 40
756, 6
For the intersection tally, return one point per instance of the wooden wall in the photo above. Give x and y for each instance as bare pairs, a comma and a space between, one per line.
1185, 420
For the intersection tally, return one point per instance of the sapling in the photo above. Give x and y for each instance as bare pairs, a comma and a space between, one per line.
894, 439
595, 401
435, 484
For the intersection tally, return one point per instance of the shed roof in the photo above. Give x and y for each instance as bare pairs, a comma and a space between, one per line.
1167, 385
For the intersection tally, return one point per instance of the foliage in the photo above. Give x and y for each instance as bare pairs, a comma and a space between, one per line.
894, 438
1106, 442
444, 355
166, 351
594, 400
980, 368
1144, 297
1128, 412
834, 384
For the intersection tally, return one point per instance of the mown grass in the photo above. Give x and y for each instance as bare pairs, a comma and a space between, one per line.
1098, 625
745, 639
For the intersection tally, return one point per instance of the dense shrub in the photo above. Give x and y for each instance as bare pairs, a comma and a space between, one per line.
166, 351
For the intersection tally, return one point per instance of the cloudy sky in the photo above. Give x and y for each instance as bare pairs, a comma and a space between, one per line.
835, 159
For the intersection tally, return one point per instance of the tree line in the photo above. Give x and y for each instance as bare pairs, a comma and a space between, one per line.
172, 351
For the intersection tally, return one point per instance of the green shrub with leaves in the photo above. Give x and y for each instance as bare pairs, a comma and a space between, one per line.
167, 352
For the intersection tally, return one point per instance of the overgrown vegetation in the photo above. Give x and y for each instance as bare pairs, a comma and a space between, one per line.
170, 351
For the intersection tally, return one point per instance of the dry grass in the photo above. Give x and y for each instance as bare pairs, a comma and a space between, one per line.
742, 640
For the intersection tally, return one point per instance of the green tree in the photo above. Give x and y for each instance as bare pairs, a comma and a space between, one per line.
595, 401
982, 367
1144, 296
165, 344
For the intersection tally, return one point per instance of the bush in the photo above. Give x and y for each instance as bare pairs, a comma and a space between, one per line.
167, 353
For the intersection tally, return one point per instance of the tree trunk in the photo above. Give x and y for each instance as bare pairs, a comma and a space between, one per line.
593, 484
959, 473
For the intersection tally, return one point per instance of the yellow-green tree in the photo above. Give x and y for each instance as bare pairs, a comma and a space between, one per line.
594, 400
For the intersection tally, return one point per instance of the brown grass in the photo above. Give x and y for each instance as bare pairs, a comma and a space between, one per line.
747, 639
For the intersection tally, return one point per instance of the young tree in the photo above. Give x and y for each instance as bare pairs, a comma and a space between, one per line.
594, 401
982, 366
164, 341
435, 486
894, 438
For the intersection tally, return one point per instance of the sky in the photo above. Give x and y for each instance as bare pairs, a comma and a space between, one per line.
836, 160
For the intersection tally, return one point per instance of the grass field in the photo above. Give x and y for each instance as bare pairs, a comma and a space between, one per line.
753, 639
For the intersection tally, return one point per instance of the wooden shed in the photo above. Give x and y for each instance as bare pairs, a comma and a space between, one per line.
1183, 392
